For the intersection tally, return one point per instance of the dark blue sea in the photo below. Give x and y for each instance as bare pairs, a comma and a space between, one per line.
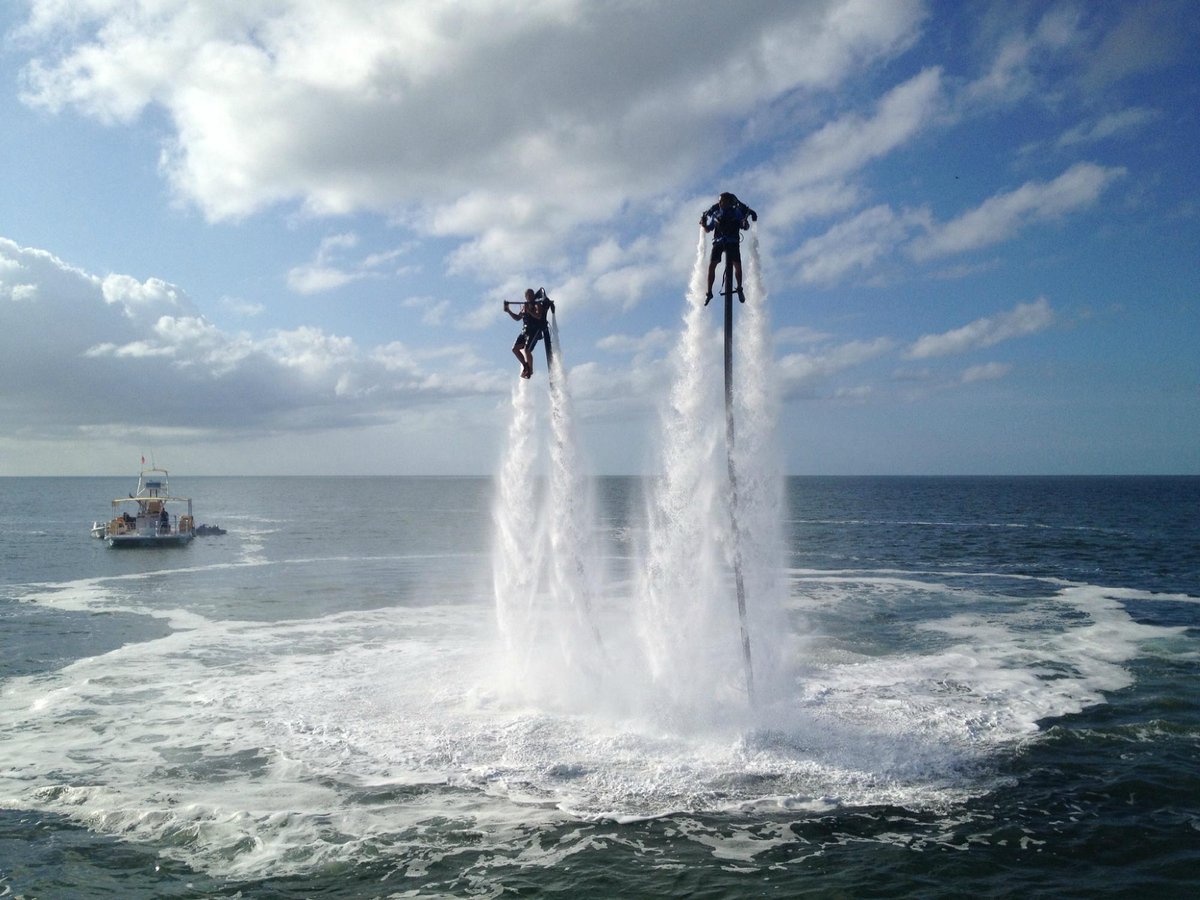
991, 690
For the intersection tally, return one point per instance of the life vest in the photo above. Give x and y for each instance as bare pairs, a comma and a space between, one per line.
727, 223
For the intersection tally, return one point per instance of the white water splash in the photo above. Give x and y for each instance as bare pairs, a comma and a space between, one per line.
676, 651
516, 555
759, 464
687, 610
546, 560
574, 555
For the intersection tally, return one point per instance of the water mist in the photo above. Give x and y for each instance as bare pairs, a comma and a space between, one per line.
545, 566
669, 645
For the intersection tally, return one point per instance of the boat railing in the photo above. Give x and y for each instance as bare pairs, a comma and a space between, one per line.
150, 525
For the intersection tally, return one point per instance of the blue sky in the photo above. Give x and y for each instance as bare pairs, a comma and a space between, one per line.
273, 236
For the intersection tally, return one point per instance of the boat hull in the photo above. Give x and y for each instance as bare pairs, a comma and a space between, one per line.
149, 540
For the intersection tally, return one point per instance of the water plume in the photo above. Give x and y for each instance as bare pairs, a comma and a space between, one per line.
545, 565
674, 652
516, 554
687, 615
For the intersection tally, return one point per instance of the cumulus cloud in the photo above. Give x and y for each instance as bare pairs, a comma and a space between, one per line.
113, 352
499, 123
1024, 319
515, 132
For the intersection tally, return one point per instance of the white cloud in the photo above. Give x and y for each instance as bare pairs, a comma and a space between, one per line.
1146, 36
855, 244
857, 394
502, 124
847, 144
113, 352
331, 267
802, 371
132, 350
23, 293
1012, 73
799, 334
433, 311
1024, 319
985, 372
242, 307
863, 241
1003, 215
312, 279
143, 300
653, 340
810, 181
1108, 126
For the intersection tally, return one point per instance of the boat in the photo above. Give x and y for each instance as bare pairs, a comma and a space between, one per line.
151, 517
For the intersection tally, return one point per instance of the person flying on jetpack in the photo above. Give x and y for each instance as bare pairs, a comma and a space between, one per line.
532, 316
727, 217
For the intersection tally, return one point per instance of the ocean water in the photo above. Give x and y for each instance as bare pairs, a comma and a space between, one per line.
977, 686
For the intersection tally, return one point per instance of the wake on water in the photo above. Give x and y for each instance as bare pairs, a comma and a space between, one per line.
261, 747
654, 662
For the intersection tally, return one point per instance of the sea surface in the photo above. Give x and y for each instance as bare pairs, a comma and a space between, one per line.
985, 687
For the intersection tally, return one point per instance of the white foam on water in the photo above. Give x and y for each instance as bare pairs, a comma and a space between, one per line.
998, 666
256, 749
111, 593
250, 749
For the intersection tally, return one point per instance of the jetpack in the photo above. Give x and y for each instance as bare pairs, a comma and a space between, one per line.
536, 322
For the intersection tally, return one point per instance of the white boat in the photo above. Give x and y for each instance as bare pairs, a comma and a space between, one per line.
149, 518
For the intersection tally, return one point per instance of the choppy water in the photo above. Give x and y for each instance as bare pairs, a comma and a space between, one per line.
990, 689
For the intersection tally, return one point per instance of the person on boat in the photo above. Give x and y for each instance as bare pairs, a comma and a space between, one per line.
532, 316
727, 217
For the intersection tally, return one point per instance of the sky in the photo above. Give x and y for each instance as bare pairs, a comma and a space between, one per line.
274, 236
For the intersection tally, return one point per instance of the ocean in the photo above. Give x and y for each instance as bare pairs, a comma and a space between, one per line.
965, 687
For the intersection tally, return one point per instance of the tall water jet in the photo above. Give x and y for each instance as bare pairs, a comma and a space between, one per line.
687, 664
685, 616
517, 554
574, 556
759, 465
545, 569
715, 516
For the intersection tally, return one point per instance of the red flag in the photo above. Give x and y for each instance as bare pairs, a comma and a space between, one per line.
143, 460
